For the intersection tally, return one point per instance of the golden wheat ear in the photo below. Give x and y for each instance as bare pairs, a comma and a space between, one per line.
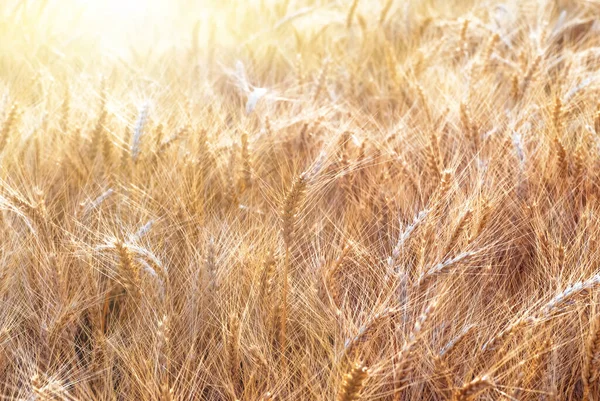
7, 125
591, 362
473, 388
353, 383
289, 211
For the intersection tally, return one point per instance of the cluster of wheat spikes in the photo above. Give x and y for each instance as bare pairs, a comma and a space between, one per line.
351, 200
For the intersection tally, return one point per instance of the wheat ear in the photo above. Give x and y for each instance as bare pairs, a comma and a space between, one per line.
353, 383
291, 205
591, 362
473, 388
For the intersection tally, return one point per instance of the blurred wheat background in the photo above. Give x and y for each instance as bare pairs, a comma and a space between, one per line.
299, 200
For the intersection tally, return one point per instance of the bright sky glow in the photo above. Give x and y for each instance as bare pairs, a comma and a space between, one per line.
131, 8
119, 22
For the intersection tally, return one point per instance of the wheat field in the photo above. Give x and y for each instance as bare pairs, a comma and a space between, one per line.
300, 200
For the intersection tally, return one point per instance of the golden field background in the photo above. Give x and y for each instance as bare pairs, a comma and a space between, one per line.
299, 200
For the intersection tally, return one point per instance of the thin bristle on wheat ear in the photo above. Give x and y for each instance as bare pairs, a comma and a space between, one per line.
353, 383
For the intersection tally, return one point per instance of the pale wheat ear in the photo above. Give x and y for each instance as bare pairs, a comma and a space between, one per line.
7, 125
557, 115
246, 164
434, 161
468, 125
351, 12
65, 110
484, 218
573, 291
321, 82
138, 131
385, 10
366, 331
487, 54
99, 127
529, 75
300, 72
